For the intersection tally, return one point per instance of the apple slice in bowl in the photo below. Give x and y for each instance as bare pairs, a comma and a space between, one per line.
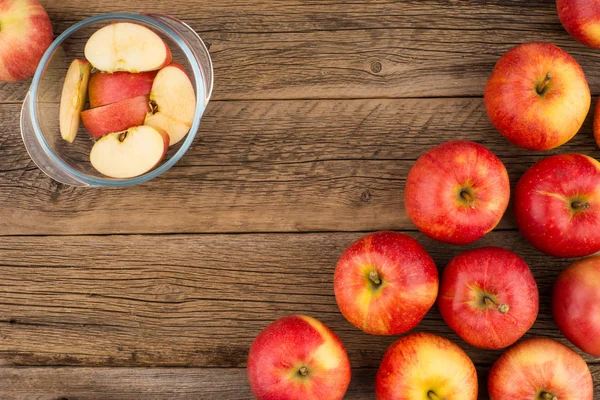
173, 102
72, 99
129, 153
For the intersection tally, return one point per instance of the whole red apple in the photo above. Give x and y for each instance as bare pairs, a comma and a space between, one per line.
25, 34
540, 369
457, 192
428, 367
298, 358
557, 205
385, 283
581, 18
489, 297
537, 96
576, 304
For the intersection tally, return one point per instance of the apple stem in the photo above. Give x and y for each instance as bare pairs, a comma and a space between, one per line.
431, 394
374, 277
548, 396
542, 87
580, 205
303, 371
468, 197
502, 308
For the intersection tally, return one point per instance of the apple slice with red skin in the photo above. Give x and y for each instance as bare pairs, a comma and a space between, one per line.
576, 304
107, 88
116, 117
457, 192
426, 367
130, 153
557, 205
540, 369
298, 357
489, 297
385, 283
72, 99
173, 102
125, 46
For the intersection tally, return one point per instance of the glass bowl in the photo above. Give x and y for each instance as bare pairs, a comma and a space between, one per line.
69, 163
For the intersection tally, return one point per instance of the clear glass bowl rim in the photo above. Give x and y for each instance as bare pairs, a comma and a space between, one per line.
198, 76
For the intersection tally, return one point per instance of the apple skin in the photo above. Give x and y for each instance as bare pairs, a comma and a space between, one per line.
106, 88
423, 365
457, 192
116, 117
576, 304
539, 369
25, 35
294, 345
581, 18
489, 297
529, 112
407, 288
557, 205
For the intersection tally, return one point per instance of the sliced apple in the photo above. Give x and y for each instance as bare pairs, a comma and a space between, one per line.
116, 117
72, 99
129, 153
106, 88
126, 47
173, 102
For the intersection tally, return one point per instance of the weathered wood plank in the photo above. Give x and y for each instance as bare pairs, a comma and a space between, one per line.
159, 383
262, 166
194, 300
297, 49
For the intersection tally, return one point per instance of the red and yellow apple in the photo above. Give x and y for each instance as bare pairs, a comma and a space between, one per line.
557, 205
457, 192
107, 88
576, 304
385, 283
540, 369
425, 367
129, 153
173, 102
537, 96
125, 46
25, 34
489, 297
581, 18
72, 99
116, 117
298, 357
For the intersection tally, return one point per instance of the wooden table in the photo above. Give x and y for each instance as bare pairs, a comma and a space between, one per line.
319, 110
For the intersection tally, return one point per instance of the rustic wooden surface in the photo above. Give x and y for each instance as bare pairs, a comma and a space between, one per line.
319, 110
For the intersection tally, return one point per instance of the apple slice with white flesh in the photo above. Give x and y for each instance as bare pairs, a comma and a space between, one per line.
173, 102
124, 46
72, 99
129, 153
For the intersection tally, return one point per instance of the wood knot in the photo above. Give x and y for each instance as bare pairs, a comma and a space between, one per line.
366, 196
376, 67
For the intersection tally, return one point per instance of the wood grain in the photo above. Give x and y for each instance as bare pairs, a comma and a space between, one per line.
195, 300
297, 49
262, 166
64, 383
